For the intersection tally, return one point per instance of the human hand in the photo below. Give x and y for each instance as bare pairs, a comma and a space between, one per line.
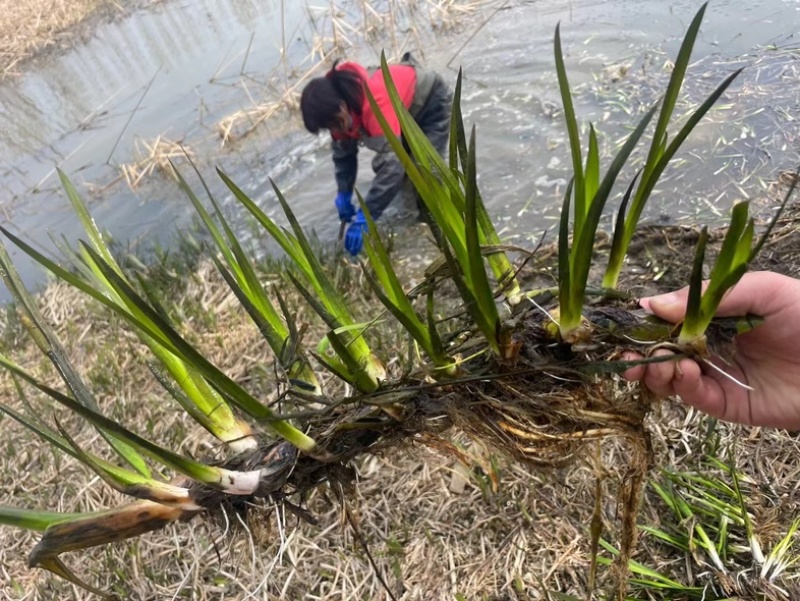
345, 206
354, 238
766, 358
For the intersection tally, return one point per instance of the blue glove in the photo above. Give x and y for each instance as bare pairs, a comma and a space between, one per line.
344, 206
354, 238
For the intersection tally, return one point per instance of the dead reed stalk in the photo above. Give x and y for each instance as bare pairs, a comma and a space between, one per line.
152, 156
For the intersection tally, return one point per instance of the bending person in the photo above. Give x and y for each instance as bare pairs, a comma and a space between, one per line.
337, 102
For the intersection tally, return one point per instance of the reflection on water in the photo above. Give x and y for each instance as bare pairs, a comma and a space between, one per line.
173, 70
87, 95
179, 68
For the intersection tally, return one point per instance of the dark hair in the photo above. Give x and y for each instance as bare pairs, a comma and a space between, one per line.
323, 96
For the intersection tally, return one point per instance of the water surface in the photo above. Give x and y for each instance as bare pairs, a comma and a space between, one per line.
180, 68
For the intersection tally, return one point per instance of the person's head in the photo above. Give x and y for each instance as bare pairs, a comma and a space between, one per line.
327, 102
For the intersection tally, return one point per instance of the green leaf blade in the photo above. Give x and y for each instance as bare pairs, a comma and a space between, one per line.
38, 521
477, 271
580, 206
565, 304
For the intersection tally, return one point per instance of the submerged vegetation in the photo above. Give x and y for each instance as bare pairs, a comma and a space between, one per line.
527, 371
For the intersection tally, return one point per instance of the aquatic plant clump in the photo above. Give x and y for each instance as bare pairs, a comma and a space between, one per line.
529, 372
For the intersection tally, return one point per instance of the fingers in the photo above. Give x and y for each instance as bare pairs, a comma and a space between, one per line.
761, 293
700, 391
634, 374
683, 378
658, 377
670, 306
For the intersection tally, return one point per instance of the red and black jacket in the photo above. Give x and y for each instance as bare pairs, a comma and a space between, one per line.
410, 83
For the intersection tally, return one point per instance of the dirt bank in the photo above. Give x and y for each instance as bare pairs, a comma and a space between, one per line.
32, 28
434, 532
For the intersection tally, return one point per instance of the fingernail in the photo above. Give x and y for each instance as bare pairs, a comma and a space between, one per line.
663, 301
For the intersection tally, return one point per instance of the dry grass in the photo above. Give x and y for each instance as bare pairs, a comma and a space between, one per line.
153, 156
30, 27
242, 123
433, 532
447, 15
427, 528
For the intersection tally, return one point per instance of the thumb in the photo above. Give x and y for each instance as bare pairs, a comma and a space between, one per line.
670, 306
761, 293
